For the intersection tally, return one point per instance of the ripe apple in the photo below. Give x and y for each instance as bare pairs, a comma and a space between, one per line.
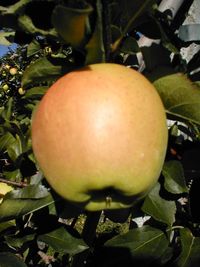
100, 136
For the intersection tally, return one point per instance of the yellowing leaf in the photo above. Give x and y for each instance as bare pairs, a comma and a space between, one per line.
4, 188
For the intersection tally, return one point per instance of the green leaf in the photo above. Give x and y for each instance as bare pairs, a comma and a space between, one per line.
143, 242
6, 38
160, 209
13, 175
45, 70
7, 225
14, 241
130, 13
11, 144
61, 241
26, 25
189, 256
8, 259
33, 48
6, 140
30, 192
174, 177
36, 92
130, 46
6, 112
189, 33
12, 208
180, 97
95, 47
70, 23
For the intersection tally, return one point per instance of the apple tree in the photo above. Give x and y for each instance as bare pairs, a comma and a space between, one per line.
55, 37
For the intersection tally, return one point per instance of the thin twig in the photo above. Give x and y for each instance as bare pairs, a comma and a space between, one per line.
18, 184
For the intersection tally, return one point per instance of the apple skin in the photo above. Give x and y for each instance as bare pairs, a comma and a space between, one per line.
100, 135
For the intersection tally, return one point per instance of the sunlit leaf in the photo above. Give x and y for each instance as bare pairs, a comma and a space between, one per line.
174, 177
180, 97
62, 241
159, 208
6, 38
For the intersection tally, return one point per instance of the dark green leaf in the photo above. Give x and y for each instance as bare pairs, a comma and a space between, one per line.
95, 47
36, 92
17, 242
189, 33
7, 225
6, 140
159, 208
12, 208
15, 149
129, 15
180, 97
190, 245
143, 242
33, 48
26, 25
71, 23
6, 112
130, 46
8, 259
61, 241
174, 177
44, 70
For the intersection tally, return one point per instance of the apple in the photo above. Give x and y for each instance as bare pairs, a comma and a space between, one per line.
21, 91
5, 87
13, 71
100, 135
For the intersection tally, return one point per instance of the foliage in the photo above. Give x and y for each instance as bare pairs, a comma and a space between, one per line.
37, 228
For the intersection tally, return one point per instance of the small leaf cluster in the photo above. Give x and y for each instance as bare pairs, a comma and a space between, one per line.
54, 37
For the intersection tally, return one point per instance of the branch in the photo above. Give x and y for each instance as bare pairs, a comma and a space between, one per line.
18, 184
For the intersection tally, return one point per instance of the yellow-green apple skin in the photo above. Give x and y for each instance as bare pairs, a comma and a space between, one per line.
100, 135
